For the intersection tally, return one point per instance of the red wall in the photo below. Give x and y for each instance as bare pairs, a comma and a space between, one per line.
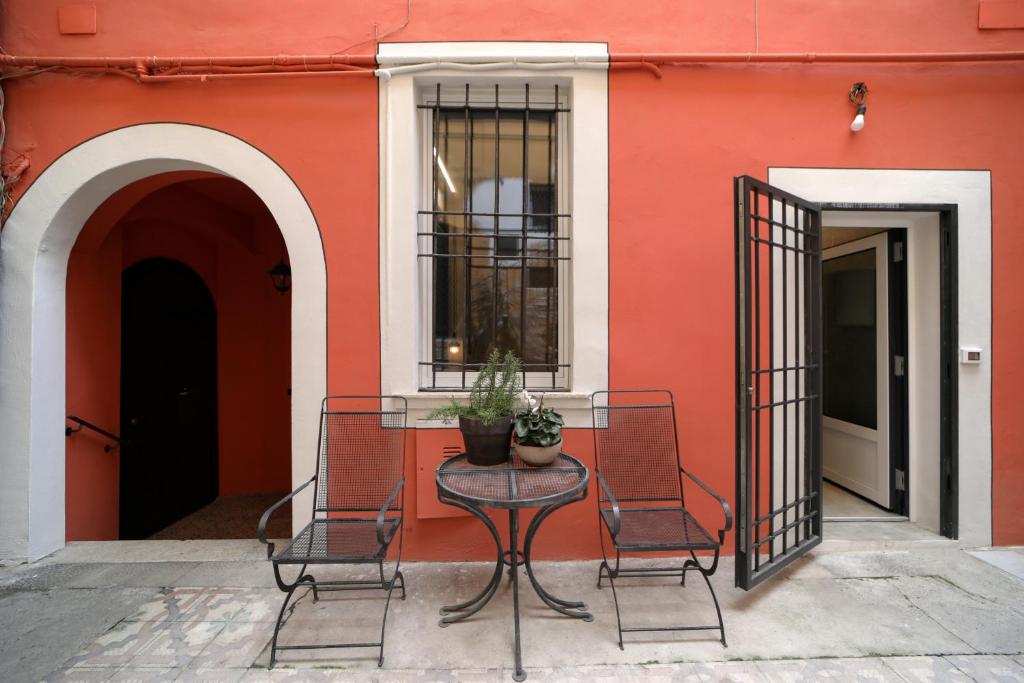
675, 145
231, 248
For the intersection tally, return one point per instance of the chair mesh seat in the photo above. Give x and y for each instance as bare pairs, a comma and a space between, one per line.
338, 540
662, 529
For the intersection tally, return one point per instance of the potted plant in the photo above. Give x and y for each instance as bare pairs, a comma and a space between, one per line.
486, 422
538, 432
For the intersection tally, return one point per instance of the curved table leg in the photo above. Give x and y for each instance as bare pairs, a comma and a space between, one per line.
561, 606
470, 607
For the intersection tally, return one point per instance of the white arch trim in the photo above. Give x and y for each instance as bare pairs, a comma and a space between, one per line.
34, 252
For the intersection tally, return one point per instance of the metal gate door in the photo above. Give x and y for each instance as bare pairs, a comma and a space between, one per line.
778, 366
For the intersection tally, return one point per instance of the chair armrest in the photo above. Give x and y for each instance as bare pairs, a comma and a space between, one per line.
261, 531
721, 501
384, 510
616, 513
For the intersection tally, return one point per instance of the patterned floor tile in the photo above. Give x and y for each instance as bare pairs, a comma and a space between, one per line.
129, 675
924, 669
176, 644
733, 672
294, 676
81, 675
862, 670
117, 646
236, 646
193, 604
671, 673
211, 676
260, 606
989, 668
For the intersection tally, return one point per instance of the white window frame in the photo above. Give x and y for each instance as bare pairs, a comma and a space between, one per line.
453, 94
582, 68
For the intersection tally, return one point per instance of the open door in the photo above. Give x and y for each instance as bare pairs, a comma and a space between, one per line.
855, 318
779, 379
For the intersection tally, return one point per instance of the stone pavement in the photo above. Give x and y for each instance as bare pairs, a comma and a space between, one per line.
145, 611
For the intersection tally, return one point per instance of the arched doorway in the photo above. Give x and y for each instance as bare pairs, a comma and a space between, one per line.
168, 396
188, 352
38, 238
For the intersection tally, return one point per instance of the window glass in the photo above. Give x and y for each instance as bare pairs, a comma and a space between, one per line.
851, 353
494, 248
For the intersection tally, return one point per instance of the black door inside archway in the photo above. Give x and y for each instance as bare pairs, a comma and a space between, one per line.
168, 396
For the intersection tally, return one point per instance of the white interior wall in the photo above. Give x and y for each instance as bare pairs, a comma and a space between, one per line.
924, 369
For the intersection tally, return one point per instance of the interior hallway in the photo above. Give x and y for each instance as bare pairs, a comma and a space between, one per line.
230, 517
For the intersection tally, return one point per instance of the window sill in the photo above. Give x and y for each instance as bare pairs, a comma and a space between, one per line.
574, 407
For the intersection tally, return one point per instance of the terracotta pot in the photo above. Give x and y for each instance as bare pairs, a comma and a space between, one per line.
538, 456
486, 444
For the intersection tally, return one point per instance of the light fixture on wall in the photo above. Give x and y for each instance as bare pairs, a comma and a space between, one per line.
281, 276
281, 273
859, 96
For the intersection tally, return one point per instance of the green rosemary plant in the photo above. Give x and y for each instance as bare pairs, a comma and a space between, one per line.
493, 393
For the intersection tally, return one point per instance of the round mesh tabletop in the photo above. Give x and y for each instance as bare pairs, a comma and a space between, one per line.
513, 484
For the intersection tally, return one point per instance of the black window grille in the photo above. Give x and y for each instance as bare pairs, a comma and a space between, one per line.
494, 238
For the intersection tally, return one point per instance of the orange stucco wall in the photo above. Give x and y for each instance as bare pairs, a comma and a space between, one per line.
231, 252
675, 145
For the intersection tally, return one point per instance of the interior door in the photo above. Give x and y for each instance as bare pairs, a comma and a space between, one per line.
855, 311
168, 396
779, 379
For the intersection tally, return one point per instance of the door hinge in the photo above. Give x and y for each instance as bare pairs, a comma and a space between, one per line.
901, 480
899, 366
897, 252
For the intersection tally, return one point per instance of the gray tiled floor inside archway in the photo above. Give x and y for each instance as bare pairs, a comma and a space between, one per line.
900, 610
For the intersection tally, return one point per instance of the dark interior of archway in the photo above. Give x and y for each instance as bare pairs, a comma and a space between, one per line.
202, 345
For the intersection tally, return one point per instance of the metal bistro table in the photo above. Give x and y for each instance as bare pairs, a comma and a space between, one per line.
512, 486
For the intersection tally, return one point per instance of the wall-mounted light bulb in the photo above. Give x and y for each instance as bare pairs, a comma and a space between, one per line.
858, 120
859, 97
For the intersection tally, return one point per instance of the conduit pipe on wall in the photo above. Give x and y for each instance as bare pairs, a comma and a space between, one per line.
141, 69
164, 78
166, 69
169, 62
670, 58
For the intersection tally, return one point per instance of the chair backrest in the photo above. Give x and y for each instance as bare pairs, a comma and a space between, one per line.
635, 444
361, 452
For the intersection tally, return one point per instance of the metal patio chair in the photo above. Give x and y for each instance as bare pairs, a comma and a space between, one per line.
641, 499
360, 469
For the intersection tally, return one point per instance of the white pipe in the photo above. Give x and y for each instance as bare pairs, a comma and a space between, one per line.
596, 63
482, 57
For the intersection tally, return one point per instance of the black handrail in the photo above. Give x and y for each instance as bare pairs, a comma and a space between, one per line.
83, 424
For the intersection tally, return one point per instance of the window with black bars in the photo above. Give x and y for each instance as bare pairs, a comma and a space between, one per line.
493, 244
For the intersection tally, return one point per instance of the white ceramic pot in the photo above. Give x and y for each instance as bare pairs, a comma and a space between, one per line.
538, 455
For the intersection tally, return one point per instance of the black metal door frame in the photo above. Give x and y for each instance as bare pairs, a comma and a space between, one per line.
770, 537
949, 456
899, 394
